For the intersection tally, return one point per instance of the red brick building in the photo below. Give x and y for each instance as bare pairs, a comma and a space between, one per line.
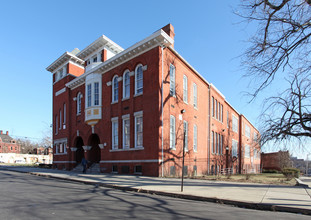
8, 144
122, 110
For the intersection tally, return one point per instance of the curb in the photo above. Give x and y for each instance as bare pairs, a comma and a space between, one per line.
300, 183
248, 205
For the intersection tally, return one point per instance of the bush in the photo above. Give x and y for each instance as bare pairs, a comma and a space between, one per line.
290, 173
270, 171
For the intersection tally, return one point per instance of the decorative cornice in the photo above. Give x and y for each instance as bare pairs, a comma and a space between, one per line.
66, 57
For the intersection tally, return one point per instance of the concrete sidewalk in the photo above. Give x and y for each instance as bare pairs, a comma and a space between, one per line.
294, 199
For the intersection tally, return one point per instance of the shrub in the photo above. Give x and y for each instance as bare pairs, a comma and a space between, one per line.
270, 171
290, 173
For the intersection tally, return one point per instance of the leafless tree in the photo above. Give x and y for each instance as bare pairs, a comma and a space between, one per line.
281, 45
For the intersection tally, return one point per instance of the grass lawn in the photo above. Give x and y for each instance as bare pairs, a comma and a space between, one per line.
264, 178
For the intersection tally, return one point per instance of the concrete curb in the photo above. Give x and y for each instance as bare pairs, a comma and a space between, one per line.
300, 183
248, 205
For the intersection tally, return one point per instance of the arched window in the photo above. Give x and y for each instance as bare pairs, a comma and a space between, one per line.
115, 91
126, 84
79, 97
139, 79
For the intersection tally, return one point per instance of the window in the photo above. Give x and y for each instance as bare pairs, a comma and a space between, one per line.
213, 108
115, 137
126, 84
172, 80
96, 93
126, 131
185, 89
217, 143
234, 148
247, 152
234, 124
64, 120
247, 131
138, 169
227, 119
139, 79
60, 119
186, 135
138, 129
94, 59
56, 124
79, 97
172, 132
255, 137
61, 73
216, 109
213, 142
221, 144
115, 91
56, 76
195, 138
195, 95
221, 113
89, 95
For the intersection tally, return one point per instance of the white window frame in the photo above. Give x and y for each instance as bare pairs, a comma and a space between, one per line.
213, 142
139, 90
172, 80
64, 112
172, 132
89, 95
195, 138
79, 103
126, 75
96, 94
186, 128
235, 123
114, 133
138, 115
247, 151
234, 148
125, 135
56, 124
60, 119
213, 107
185, 89
195, 95
247, 130
115, 89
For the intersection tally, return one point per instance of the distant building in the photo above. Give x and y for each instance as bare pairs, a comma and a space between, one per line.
8, 144
127, 110
275, 160
300, 164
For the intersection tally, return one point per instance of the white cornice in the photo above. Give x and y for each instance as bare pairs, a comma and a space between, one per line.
156, 39
66, 57
101, 41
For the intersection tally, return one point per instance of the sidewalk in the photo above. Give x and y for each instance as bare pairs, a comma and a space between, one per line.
294, 199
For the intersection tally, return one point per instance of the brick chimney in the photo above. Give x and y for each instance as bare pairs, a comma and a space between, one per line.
7, 132
169, 29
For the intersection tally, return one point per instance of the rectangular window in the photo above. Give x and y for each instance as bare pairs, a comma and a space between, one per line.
89, 95
213, 109
234, 148
255, 137
115, 137
227, 119
172, 132
56, 124
247, 131
172, 80
60, 119
247, 153
96, 93
126, 132
64, 122
94, 59
138, 130
185, 88
195, 138
216, 143
186, 135
221, 113
195, 95
213, 142
234, 123
216, 109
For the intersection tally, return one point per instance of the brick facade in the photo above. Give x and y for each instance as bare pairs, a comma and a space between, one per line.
141, 133
8, 144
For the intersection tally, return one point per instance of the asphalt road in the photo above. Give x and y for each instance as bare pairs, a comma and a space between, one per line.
24, 196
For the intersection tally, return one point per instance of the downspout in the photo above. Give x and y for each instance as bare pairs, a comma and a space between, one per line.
209, 130
162, 165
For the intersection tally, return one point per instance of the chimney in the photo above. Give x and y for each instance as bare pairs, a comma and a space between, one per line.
104, 55
169, 29
1, 132
7, 132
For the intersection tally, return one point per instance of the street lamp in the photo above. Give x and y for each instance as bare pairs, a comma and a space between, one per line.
183, 156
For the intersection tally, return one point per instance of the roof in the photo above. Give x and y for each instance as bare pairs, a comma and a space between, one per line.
6, 138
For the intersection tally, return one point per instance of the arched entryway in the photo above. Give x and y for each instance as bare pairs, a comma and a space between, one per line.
79, 152
94, 153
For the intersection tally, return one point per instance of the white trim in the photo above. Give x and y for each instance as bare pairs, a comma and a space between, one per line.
60, 91
126, 116
109, 83
123, 85
115, 77
61, 140
114, 119
127, 149
135, 83
132, 161
138, 113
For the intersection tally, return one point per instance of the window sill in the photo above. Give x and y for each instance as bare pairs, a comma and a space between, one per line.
60, 154
127, 149
127, 98
114, 102
138, 94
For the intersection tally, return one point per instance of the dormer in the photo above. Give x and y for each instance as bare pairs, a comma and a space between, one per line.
68, 63
99, 51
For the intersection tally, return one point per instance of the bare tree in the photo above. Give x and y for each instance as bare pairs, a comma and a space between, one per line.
281, 45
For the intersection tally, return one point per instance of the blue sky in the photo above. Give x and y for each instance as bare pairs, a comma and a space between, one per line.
34, 33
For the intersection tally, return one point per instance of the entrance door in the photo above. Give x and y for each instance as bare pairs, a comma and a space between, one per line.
94, 153
79, 152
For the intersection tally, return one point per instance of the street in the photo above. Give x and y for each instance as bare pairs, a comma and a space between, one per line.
25, 196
